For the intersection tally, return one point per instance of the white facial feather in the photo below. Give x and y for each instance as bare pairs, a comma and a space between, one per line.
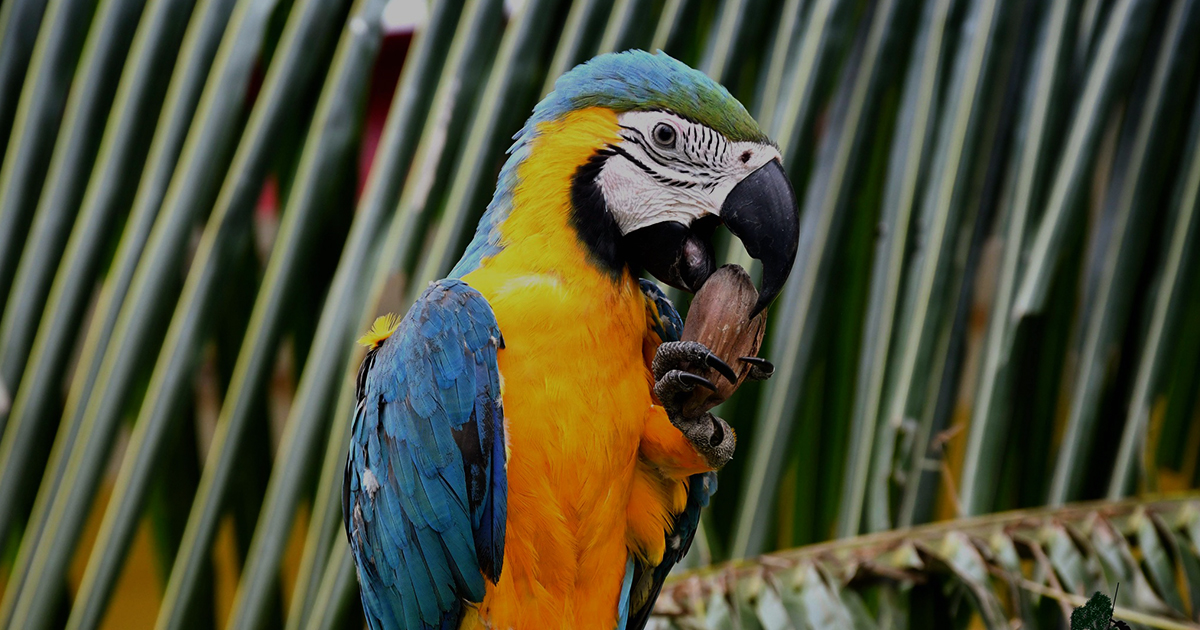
646, 182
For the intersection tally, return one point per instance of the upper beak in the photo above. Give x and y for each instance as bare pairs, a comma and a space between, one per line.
761, 211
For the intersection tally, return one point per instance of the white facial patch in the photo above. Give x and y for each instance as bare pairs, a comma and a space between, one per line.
668, 168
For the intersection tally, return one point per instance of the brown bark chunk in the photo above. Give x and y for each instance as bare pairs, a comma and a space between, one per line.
719, 318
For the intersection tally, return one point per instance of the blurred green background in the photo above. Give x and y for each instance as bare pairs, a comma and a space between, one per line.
995, 305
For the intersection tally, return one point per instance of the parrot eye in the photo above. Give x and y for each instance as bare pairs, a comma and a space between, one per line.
664, 135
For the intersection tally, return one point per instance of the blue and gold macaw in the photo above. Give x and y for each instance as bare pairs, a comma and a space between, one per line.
520, 457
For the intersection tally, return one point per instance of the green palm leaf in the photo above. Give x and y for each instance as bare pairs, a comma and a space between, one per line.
990, 309
1032, 566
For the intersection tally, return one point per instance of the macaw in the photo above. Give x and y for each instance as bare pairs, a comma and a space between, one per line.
519, 454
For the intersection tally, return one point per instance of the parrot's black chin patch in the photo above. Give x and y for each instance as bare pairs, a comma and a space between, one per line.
677, 254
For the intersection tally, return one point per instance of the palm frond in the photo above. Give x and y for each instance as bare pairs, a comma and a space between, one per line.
203, 203
1029, 567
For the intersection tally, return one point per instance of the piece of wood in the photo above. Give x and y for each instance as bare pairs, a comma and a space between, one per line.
719, 318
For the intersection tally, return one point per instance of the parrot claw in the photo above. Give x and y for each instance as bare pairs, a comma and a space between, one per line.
760, 369
715, 362
676, 384
672, 354
697, 381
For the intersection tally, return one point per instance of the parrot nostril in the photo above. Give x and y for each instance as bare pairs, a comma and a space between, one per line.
746, 157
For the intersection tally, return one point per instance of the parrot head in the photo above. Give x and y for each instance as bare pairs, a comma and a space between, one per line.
682, 158
690, 158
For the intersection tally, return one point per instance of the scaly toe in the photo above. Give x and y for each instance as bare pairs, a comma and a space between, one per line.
674, 355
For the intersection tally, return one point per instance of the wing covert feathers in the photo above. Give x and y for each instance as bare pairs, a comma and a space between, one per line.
425, 491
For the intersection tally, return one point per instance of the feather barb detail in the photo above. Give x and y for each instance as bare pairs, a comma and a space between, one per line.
383, 328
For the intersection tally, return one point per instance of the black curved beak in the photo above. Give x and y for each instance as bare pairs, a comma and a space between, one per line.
761, 212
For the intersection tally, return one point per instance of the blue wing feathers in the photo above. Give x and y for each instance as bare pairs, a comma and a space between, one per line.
425, 493
490, 536
664, 320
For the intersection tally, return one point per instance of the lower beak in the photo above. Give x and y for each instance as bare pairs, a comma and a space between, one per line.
761, 212
679, 255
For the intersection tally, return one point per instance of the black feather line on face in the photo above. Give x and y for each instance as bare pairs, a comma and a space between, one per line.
669, 160
699, 154
656, 176
651, 153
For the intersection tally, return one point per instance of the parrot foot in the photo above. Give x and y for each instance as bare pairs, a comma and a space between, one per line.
760, 369
672, 354
710, 435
